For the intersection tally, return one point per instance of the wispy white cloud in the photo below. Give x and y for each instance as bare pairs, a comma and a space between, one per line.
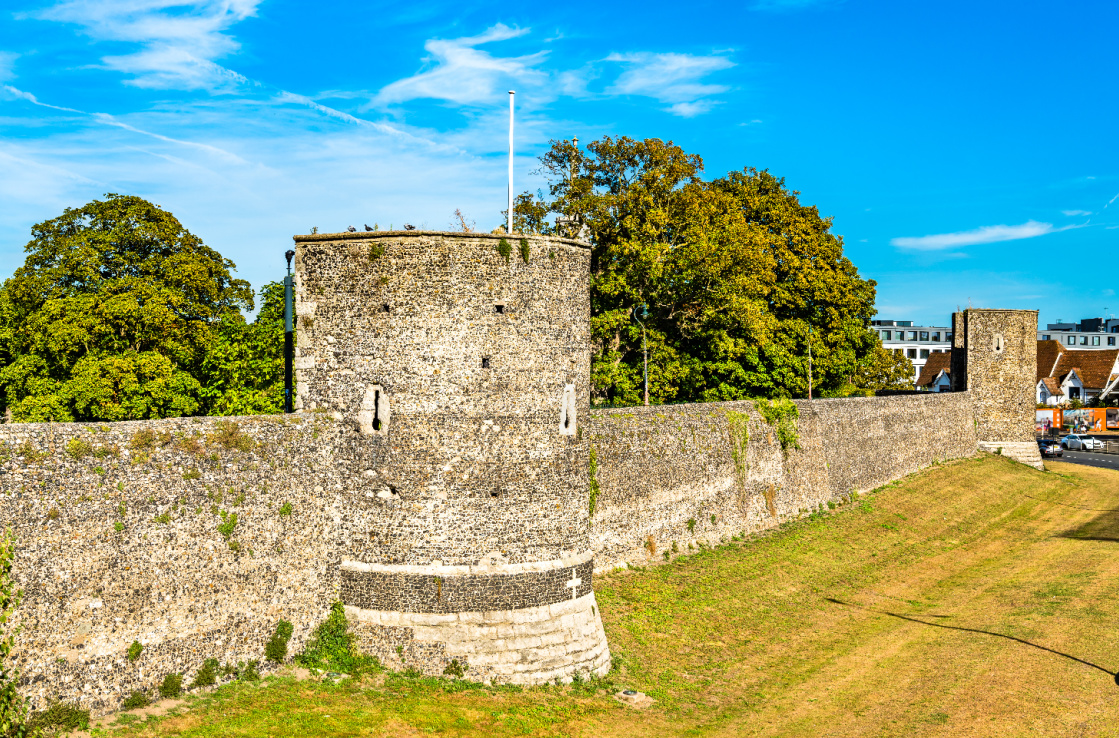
20, 94
670, 78
1076, 212
986, 234
180, 39
7, 65
463, 74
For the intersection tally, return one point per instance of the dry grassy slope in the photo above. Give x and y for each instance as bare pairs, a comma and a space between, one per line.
976, 598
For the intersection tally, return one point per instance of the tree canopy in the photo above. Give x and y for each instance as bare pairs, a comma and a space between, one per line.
120, 313
739, 277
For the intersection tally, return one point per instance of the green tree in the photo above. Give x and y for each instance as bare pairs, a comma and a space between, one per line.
243, 371
883, 369
112, 315
738, 277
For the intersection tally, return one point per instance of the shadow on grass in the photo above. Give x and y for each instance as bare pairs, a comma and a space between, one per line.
1114, 676
1103, 527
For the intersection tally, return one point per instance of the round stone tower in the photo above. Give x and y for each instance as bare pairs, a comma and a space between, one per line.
462, 362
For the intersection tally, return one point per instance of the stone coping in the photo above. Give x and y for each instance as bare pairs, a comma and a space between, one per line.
483, 567
366, 235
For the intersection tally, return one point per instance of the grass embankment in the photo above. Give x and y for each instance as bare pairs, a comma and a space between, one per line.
977, 598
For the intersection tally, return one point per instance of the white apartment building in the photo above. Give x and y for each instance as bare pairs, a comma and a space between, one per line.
1090, 333
916, 341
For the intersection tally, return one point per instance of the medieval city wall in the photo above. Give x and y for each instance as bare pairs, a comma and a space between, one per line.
674, 476
444, 479
192, 536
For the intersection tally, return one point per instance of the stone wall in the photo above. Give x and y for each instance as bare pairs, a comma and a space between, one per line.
998, 353
469, 354
676, 475
119, 541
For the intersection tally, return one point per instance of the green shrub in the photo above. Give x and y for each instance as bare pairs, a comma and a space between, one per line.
456, 669
172, 686
332, 646
207, 676
249, 673
525, 251
505, 249
57, 717
192, 474
285, 509
135, 650
277, 648
135, 701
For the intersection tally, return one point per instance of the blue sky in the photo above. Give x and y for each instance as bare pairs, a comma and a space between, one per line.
965, 149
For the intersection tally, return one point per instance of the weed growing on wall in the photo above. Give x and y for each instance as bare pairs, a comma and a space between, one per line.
135, 650
593, 471
276, 649
456, 669
505, 249
13, 710
285, 509
739, 425
782, 415
524, 250
332, 646
226, 528
78, 448
229, 436
376, 251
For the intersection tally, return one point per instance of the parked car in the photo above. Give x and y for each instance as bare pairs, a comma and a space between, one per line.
1050, 447
1080, 442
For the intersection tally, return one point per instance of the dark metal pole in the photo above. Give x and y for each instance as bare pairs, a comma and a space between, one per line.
289, 335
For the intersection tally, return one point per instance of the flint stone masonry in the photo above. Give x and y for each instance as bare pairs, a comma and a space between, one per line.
479, 343
482, 592
660, 467
994, 356
444, 499
118, 540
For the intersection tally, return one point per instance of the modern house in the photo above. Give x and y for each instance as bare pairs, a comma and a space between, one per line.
1065, 374
917, 342
935, 372
1090, 334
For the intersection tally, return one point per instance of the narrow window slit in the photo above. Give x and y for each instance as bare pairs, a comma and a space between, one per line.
485, 362
376, 410
499, 308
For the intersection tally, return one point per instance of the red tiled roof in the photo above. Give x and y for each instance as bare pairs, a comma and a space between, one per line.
1047, 353
937, 363
1052, 385
1093, 367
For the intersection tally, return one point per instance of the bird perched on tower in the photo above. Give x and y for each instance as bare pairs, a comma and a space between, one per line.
351, 229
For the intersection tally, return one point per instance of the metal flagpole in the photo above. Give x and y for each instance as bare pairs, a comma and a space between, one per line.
509, 222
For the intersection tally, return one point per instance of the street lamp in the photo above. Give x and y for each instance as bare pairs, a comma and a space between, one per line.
638, 314
289, 328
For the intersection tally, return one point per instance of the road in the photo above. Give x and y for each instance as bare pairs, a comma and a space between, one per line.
1089, 458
